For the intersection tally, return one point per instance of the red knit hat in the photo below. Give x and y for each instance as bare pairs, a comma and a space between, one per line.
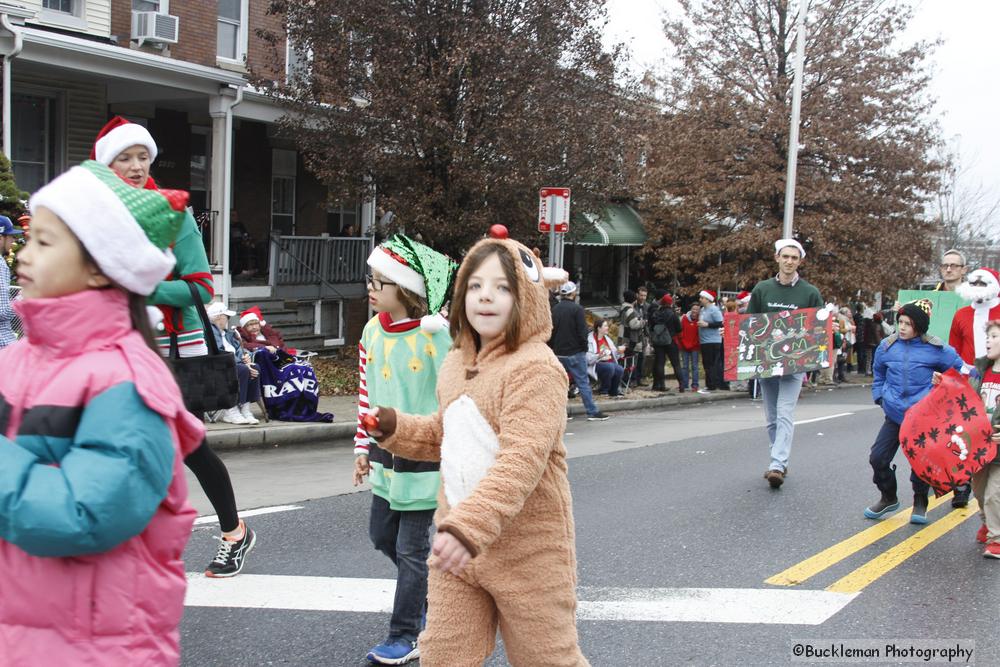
708, 294
667, 300
118, 135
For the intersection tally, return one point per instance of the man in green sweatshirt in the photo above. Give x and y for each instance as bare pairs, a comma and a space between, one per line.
786, 291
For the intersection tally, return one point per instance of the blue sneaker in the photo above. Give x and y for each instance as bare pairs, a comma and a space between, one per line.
394, 651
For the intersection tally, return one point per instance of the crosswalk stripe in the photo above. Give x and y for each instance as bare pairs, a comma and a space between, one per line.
698, 605
821, 419
211, 518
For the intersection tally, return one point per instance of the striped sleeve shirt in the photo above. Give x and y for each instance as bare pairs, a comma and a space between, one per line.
361, 437
6, 311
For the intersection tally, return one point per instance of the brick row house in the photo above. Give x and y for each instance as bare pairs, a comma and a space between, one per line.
180, 68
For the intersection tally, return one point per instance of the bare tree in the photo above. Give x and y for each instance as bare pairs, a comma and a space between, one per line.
713, 187
967, 215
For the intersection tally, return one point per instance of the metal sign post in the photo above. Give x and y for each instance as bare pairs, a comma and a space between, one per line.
553, 219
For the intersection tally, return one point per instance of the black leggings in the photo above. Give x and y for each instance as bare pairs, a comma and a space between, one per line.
214, 479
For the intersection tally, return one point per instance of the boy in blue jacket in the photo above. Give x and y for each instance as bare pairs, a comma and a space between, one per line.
904, 364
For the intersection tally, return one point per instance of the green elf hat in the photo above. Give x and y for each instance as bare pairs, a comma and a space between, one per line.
419, 269
127, 230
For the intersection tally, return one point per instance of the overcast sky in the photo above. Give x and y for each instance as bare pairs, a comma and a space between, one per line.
966, 67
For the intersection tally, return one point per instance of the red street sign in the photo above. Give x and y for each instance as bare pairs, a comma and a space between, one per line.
553, 207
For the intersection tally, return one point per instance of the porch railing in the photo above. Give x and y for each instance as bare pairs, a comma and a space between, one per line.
308, 260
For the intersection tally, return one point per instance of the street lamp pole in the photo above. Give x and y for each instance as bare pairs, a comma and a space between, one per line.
793, 135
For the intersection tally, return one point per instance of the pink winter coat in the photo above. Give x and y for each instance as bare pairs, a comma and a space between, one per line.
93, 501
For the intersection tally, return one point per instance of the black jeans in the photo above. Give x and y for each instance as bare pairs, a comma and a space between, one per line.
711, 358
661, 354
405, 538
883, 451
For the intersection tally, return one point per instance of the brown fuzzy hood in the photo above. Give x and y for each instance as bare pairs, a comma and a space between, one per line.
533, 284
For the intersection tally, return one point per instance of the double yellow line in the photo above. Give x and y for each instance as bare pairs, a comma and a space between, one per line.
860, 578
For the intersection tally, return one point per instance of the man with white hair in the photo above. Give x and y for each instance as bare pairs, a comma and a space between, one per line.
786, 291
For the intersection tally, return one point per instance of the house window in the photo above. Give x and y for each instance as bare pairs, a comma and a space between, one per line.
297, 60
340, 217
283, 191
231, 32
36, 139
161, 6
71, 7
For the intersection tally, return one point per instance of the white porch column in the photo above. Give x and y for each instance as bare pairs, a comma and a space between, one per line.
220, 107
11, 43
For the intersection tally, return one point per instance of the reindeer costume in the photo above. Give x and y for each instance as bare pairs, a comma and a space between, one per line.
505, 495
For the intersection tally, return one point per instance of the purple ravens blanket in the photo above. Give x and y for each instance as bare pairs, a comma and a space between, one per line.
290, 390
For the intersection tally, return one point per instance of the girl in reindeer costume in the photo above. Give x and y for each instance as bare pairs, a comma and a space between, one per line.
504, 553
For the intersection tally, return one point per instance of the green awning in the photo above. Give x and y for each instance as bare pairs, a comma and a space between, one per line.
619, 225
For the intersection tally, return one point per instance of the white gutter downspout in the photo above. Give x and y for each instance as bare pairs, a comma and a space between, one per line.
7, 57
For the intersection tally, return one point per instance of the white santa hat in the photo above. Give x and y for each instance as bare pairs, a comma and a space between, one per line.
789, 243
128, 231
119, 135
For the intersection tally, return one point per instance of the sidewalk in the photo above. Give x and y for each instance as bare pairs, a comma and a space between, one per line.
340, 432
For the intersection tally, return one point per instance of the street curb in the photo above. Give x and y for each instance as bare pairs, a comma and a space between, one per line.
341, 434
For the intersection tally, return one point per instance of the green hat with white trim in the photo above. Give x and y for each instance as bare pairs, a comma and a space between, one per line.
127, 230
418, 268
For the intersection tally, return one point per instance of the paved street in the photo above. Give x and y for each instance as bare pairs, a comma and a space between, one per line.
685, 555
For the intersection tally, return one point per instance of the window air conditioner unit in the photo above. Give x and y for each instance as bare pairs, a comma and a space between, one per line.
154, 27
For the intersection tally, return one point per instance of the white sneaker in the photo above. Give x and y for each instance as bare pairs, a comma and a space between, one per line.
704, 391
245, 412
233, 416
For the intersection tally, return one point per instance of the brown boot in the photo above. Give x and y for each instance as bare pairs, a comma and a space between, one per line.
775, 478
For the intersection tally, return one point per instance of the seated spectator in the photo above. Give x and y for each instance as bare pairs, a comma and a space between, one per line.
247, 375
602, 360
258, 334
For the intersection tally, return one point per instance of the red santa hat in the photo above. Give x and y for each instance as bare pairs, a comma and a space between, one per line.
708, 294
251, 314
119, 135
743, 297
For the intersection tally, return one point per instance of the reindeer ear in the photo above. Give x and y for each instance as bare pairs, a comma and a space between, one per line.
553, 277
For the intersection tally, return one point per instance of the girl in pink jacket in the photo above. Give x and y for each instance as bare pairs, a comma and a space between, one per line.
93, 433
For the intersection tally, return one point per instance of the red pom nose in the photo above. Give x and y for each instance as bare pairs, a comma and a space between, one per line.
498, 232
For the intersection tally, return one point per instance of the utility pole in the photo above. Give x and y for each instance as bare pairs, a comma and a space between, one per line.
793, 134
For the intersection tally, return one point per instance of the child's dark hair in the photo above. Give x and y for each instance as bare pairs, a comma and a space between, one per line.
991, 324
459, 318
136, 308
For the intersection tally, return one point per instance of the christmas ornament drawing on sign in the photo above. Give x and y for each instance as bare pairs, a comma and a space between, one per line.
763, 345
946, 436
